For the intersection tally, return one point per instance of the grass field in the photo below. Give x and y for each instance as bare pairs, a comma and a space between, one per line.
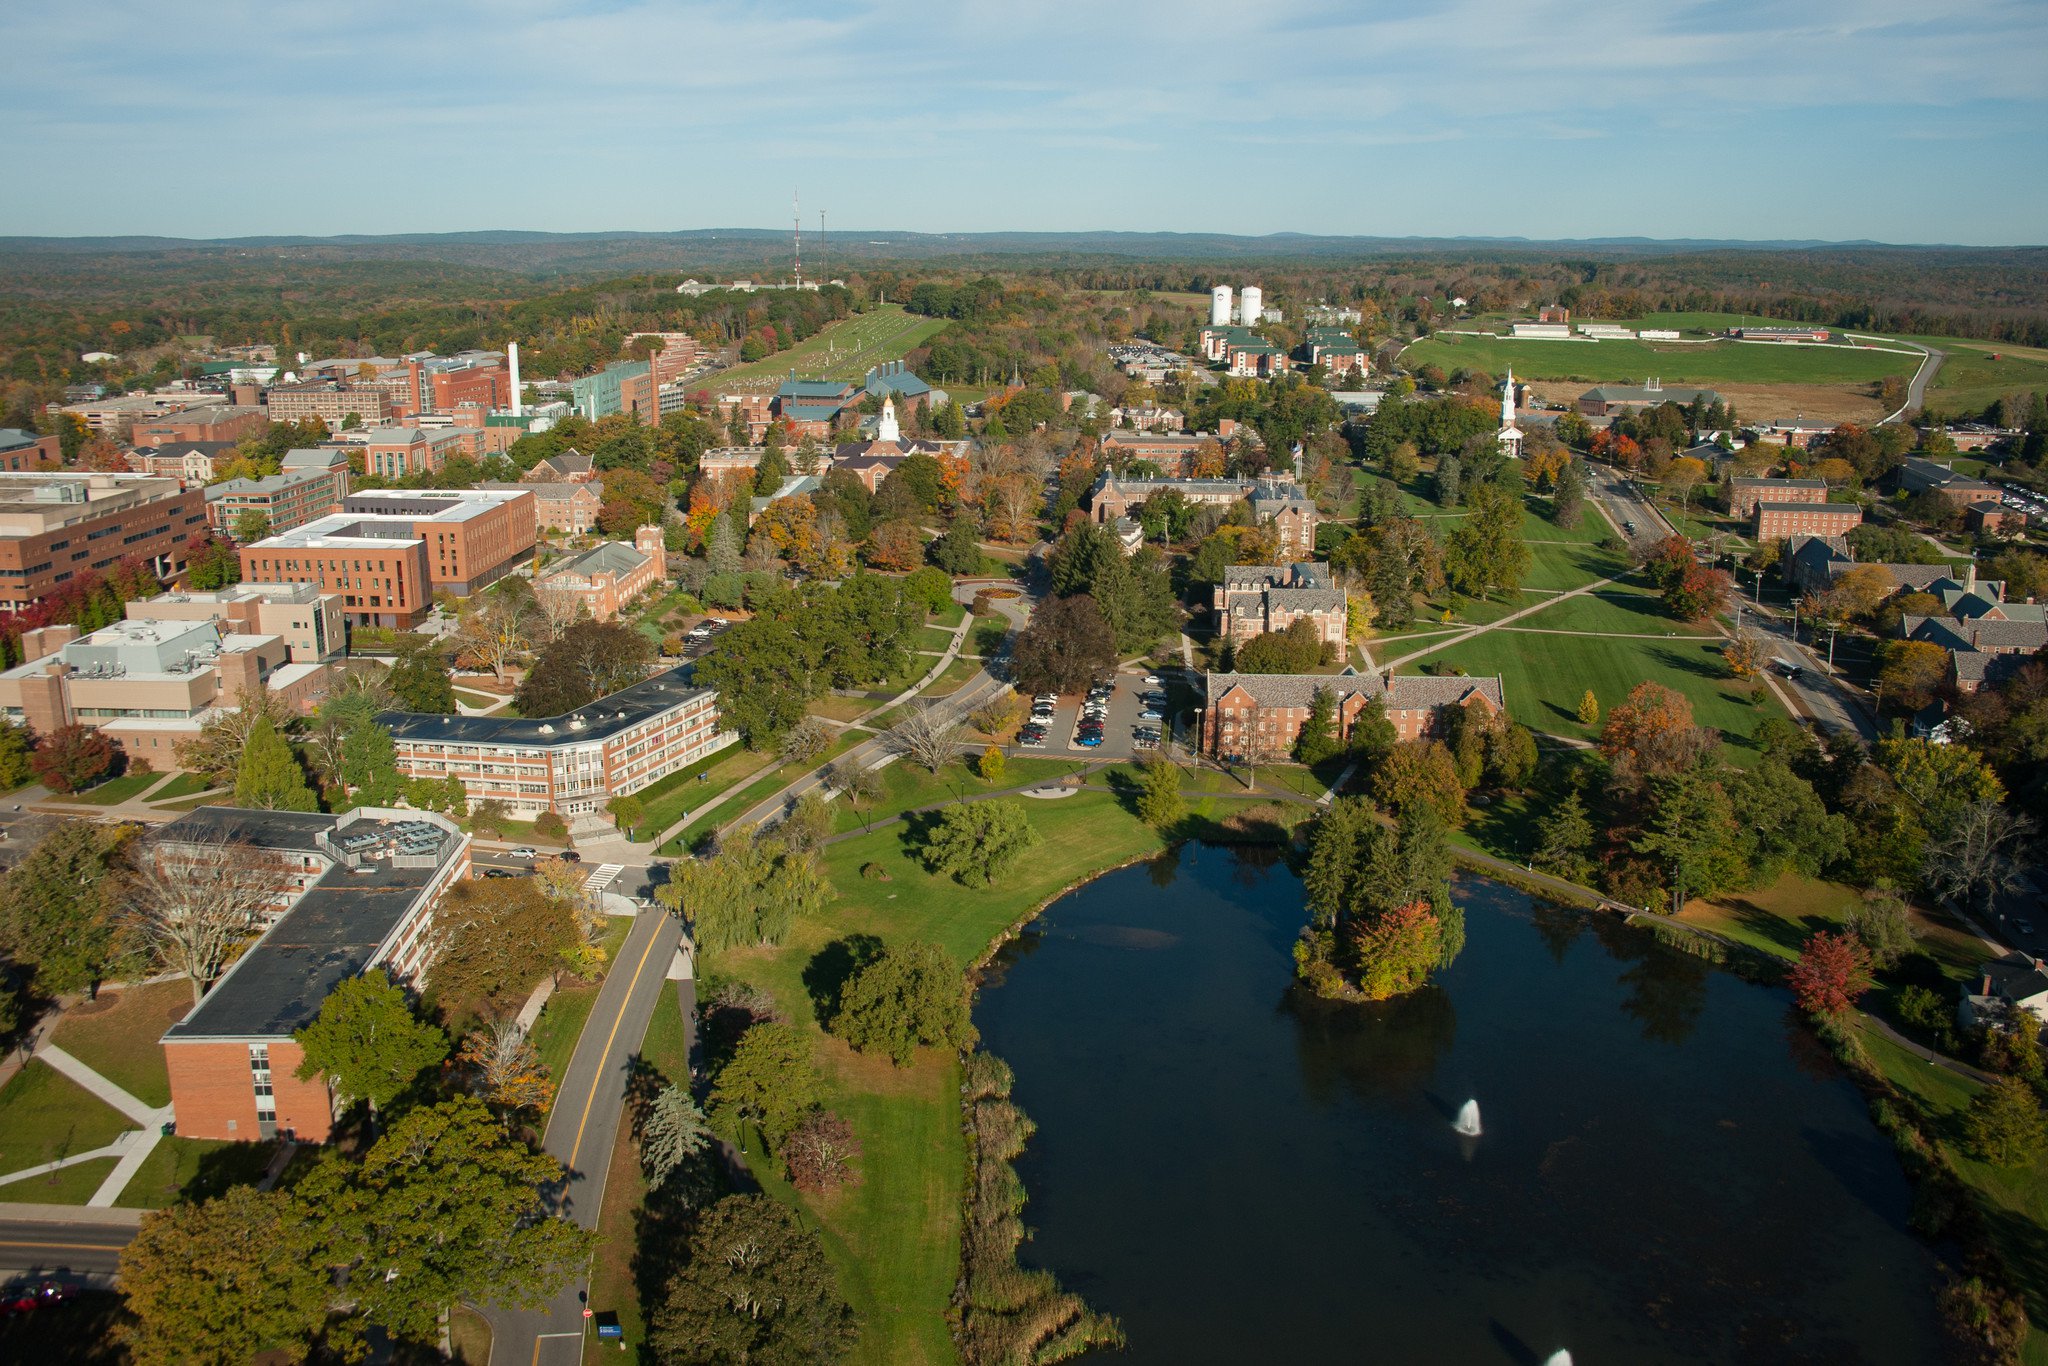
114, 791
72, 1185
895, 1237
1543, 677
764, 786
44, 1116
1779, 918
184, 785
953, 679
844, 350
120, 1043
1623, 362
697, 786
2014, 1199
194, 1169
1622, 608
1970, 381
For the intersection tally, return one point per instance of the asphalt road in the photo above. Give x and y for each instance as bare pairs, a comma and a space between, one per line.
70, 1252
1625, 506
588, 1109
1824, 699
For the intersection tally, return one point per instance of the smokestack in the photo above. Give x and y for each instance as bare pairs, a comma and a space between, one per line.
518, 400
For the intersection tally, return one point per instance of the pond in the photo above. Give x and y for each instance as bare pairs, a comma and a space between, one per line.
1669, 1168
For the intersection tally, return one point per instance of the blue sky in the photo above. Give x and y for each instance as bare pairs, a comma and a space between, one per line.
1884, 119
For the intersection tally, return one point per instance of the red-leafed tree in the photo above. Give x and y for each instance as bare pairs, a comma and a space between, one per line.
1832, 971
821, 1152
72, 757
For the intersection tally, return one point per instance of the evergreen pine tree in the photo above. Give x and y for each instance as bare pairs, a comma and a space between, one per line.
269, 777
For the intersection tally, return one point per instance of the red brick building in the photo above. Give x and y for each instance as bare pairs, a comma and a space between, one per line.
219, 423
571, 764
20, 450
1745, 494
1258, 717
606, 578
330, 401
58, 526
1776, 521
358, 891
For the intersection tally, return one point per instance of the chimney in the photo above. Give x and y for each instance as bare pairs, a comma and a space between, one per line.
518, 401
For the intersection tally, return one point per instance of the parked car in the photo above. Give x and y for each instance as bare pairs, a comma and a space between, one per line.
523, 851
1152, 681
1089, 741
571, 856
1151, 714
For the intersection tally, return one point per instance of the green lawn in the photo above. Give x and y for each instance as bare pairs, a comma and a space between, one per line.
949, 615
44, 1116
1630, 362
190, 1169
560, 1022
1555, 567
72, 1185
933, 638
906, 785
953, 679
844, 350
764, 787
184, 785
696, 787
1543, 677
895, 1237
2014, 1200
121, 1043
114, 791
477, 699
987, 636
1970, 381
1778, 919
1618, 607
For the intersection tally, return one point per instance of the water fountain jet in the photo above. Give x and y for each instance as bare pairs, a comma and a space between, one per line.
1468, 1125
1558, 1358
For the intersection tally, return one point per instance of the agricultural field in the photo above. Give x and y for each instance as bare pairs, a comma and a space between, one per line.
1976, 374
1622, 362
845, 350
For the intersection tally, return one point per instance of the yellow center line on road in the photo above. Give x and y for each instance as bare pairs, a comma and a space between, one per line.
610, 1039
69, 1247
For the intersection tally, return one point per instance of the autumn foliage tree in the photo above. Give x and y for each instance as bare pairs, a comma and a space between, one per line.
1652, 735
820, 1153
1832, 971
72, 757
1395, 952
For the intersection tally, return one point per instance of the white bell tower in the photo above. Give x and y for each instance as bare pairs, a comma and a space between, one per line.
1510, 435
887, 430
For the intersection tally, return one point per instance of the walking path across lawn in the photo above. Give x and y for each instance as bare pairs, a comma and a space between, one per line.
133, 1148
802, 783
1461, 637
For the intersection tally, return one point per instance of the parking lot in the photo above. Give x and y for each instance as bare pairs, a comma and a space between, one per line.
1062, 728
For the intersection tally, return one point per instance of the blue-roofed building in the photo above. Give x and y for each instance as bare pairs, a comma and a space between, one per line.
893, 379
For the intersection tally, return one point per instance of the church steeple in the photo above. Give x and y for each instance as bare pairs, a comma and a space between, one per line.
887, 430
1507, 400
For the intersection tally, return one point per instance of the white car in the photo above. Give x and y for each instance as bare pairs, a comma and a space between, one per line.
523, 851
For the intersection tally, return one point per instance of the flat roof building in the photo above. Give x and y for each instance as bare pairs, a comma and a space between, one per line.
571, 764
389, 550
361, 891
20, 450
56, 526
311, 484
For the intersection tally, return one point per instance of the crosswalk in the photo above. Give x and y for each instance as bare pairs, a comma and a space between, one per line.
603, 876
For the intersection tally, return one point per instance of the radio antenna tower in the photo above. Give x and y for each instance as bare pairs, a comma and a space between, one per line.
797, 219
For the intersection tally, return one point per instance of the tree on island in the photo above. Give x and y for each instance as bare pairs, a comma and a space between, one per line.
1382, 918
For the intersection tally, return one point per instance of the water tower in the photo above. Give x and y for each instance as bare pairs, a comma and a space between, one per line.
1219, 306
1251, 305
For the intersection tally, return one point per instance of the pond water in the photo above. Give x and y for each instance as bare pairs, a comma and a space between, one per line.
1668, 1168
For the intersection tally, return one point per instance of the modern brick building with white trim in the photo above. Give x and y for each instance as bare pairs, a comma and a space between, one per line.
572, 764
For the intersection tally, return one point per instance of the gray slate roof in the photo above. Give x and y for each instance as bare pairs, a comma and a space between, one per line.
613, 557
